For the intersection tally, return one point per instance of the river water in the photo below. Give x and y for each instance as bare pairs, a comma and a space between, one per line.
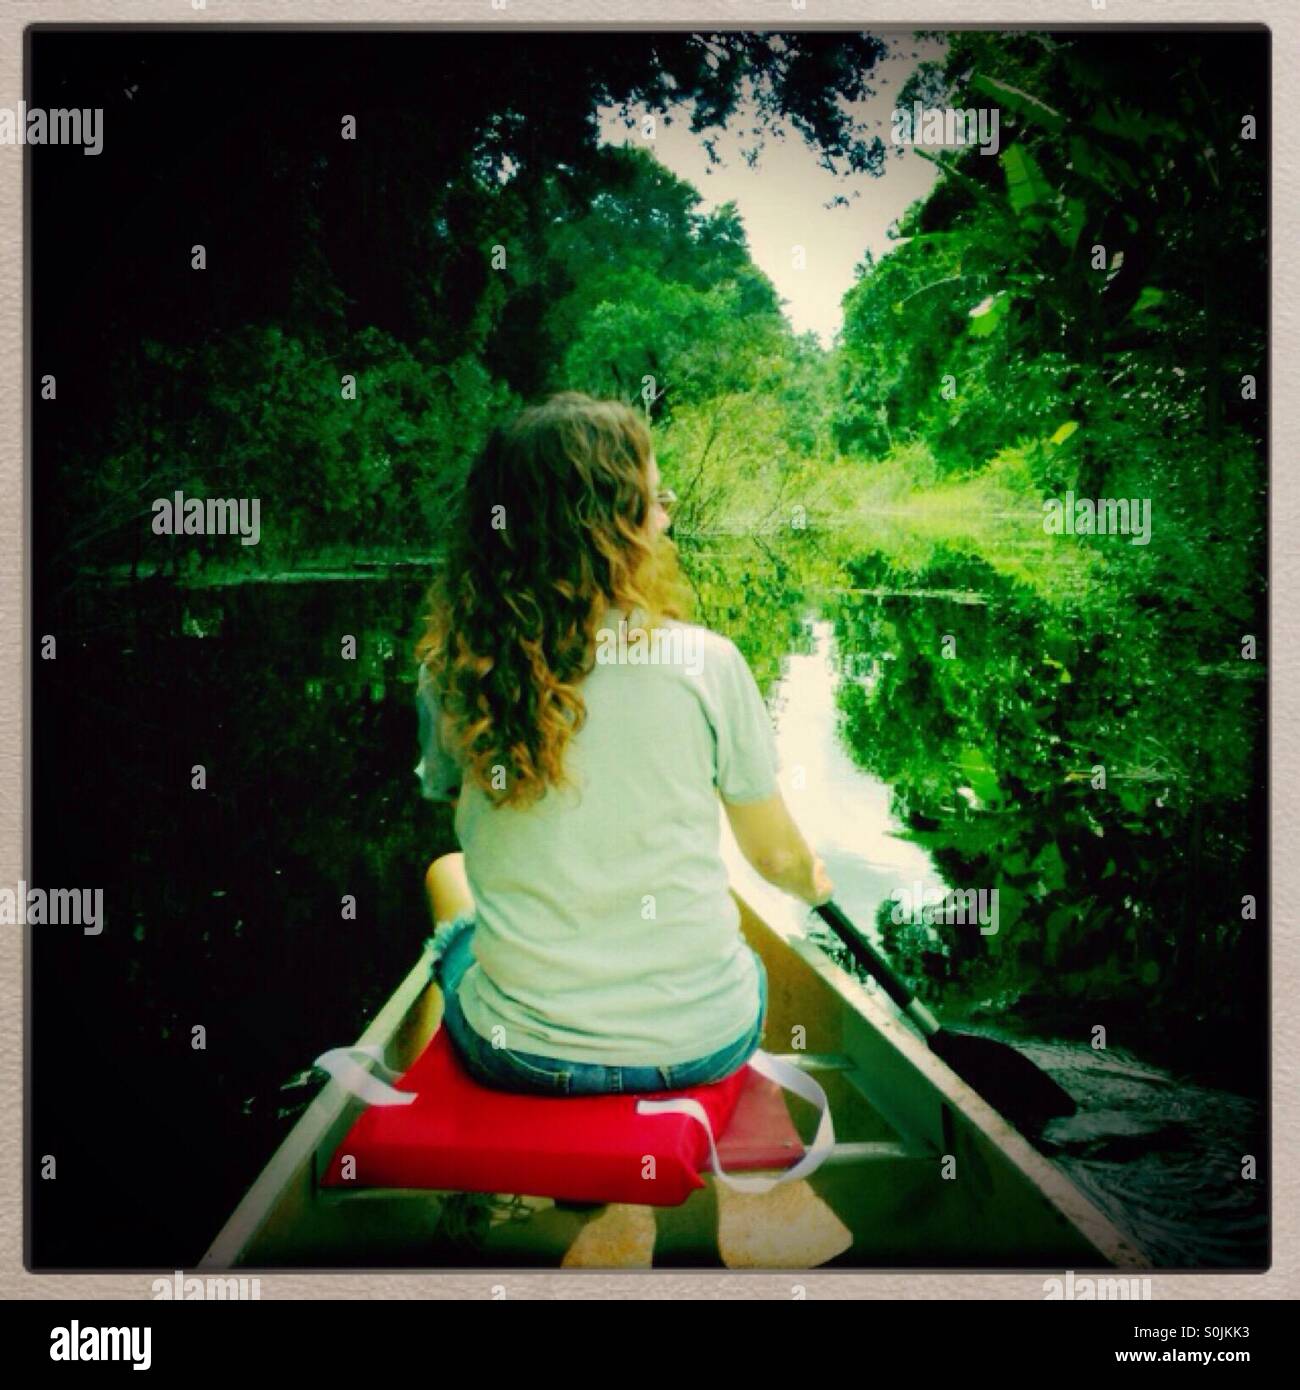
234, 778
1160, 1154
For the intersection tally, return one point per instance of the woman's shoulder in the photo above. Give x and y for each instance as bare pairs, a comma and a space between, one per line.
672, 645
704, 653
715, 641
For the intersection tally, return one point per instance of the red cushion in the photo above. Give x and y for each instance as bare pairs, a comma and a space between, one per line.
461, 1136
760, 1133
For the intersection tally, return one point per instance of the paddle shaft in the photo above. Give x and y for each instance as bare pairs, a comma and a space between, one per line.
874, 963
1009, 1081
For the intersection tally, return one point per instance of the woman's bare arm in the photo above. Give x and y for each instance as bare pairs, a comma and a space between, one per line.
770, 840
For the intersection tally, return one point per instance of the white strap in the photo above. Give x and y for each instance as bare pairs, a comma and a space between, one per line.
791, 1079
342, 1065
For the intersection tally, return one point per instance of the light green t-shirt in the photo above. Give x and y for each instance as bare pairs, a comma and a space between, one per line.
606, 932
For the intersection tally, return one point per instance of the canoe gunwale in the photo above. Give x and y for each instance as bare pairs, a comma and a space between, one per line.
929, 1109
867, 1011
323, 1124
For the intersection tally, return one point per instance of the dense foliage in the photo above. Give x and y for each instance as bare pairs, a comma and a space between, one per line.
1085, 314
1074, 721
474, 245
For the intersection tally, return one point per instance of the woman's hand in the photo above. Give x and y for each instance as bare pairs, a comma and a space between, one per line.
822, 887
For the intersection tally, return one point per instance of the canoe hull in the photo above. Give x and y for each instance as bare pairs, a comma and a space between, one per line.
924, 1175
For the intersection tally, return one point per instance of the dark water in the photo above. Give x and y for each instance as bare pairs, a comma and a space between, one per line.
1156, 1148
225, 906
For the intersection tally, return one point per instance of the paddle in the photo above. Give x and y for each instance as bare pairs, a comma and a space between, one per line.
1007, 1079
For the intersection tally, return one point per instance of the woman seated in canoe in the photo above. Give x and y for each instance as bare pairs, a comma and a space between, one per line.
586, 940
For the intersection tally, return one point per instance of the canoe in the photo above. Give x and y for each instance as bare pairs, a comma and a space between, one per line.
924, 1173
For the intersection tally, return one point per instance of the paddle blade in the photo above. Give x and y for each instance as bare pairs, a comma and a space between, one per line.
1010, 1082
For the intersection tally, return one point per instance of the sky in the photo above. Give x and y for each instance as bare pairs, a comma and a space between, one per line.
782, 198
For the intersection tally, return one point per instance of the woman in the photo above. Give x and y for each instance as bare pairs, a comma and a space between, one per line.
586, 942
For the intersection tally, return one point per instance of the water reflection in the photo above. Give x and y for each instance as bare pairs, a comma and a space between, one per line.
1160, 1155
936, 773
924, 738
842, 810
1047, 751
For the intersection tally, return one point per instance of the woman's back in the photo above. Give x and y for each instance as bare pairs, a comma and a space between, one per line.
587, 729
606, 932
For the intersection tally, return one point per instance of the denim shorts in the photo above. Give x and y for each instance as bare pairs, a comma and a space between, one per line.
508, 1070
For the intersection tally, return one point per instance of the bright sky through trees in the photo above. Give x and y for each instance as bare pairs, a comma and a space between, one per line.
782, 198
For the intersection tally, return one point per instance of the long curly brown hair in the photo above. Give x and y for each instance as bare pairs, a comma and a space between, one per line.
553, 530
